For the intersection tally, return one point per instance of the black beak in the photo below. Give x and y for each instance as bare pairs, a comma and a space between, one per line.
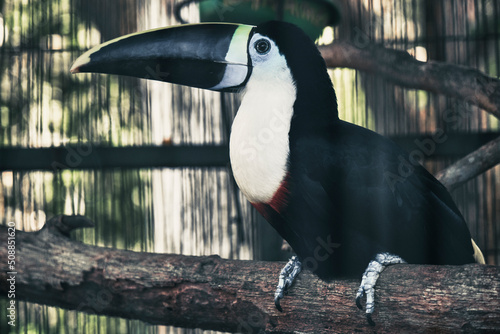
210, 56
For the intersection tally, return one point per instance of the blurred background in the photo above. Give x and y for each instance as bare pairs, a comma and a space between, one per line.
198, 210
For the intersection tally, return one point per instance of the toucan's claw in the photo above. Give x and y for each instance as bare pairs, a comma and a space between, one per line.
287, 276
370, 320
368, 288
277, 303
370, 277
358, 302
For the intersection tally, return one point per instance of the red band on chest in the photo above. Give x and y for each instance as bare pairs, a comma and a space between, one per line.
278, 202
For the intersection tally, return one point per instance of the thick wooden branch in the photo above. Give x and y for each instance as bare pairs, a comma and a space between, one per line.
237, 296
471, 165
461, 82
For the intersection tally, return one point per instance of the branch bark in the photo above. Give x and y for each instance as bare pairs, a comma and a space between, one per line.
472, 165
464, 83
237, 296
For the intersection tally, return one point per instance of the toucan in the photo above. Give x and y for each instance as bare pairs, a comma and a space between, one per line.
348, 201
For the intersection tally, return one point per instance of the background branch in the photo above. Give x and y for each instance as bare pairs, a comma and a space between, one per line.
461, 82
229, 295
471, 165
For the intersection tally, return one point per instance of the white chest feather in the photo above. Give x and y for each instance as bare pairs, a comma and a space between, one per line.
259, 144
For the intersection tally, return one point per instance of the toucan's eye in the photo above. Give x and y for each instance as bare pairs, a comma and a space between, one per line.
262, 46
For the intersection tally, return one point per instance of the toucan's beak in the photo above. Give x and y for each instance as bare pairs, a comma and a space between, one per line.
210, 56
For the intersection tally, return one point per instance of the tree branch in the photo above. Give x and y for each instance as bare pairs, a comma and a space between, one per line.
472, 165
229, 295
461, 82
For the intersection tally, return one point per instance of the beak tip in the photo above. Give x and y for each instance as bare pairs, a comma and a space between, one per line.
79, 63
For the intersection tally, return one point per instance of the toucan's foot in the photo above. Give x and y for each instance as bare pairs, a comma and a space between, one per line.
370, 277
287, 276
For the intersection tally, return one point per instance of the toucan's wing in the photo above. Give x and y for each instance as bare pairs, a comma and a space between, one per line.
355, 186
400, 199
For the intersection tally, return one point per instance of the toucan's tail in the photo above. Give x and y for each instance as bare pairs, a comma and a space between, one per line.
478, 255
